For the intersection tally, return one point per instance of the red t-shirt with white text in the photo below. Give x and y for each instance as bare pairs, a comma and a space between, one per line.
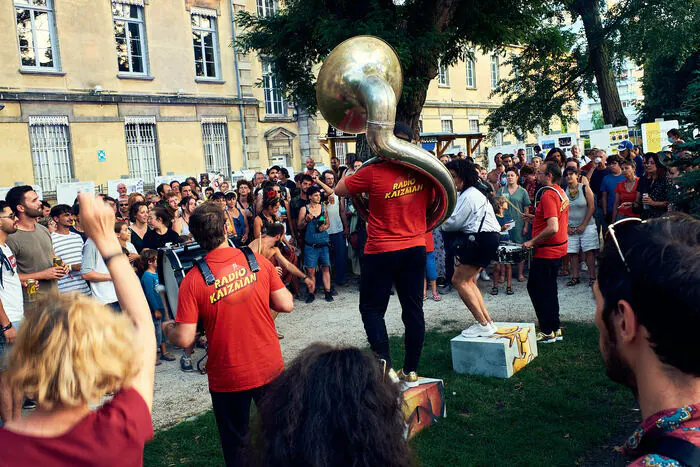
552, 205
398, 204
244, 350
114, 434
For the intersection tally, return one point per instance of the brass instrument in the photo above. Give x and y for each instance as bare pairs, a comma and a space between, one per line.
357, 90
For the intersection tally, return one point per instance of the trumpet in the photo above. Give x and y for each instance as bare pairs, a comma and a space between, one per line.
357, 90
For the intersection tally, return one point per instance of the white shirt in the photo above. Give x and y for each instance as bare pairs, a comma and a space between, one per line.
472, 206
103, 291
11, 288
333, 209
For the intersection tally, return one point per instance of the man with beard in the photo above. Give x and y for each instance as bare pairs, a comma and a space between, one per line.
646, 293
310, 166
32, 244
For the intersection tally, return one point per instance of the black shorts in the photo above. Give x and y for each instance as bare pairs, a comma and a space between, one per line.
477, 249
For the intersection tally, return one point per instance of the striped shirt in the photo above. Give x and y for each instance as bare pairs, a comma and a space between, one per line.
70, 249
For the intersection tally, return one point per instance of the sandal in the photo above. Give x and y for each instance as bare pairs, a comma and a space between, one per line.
573, 281
494, 290
522, 279
168, 357
509, 291
158, 363
436, 297
425, 297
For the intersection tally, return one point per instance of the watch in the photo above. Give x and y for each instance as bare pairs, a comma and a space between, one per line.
5, 328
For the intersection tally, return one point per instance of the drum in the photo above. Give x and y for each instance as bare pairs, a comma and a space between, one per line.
511, 253
173, 264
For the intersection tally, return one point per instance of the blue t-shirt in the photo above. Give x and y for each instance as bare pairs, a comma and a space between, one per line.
505, 234
639, 165
608, 186
149, 281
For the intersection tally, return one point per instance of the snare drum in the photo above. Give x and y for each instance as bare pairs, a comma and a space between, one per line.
511, 253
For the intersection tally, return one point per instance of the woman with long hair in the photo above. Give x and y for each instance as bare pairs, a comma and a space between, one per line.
161, 233
187, 205
138, 215
477, 242
626, 194
72, 353
583, 235
556, 155
331, 407
654, 188
124, 236
518, 210
246, 202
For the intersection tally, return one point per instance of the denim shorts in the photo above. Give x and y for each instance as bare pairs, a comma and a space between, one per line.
5, 347
430, 266
315, 257
159, 330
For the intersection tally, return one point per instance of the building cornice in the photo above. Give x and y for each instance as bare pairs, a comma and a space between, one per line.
113, 98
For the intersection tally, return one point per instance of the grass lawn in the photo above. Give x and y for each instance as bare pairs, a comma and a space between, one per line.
559, 410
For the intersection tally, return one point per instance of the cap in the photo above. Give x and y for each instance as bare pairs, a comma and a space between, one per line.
626, 144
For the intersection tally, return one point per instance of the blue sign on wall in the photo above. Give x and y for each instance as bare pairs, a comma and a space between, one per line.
101, 156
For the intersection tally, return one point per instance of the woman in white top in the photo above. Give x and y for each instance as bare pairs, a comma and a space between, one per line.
478, 231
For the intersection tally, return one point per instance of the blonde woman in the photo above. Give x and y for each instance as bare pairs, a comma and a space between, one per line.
74, 352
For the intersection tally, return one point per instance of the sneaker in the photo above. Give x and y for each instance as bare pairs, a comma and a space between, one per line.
410, 379
494, 327
484, 275
393, 376
543, 338
310, 298
329, 296
28, 405
186, 364
479, 330
559, 335
333, 291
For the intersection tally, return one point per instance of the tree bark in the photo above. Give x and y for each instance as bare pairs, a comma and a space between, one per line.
599, 57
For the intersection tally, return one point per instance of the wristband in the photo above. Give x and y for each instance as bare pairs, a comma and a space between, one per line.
6, 328
109, 258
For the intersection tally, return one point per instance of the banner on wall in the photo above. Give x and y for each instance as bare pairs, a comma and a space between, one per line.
563, 141
67, 192
654, 135
133, 185
607, 139
507, 149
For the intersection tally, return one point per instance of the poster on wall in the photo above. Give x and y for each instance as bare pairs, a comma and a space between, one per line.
607, 139
506, 149
133, 185
5, 189
563, 141
67, 192
654, 135
169, 178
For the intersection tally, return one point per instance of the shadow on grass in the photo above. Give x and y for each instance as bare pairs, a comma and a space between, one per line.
559, 410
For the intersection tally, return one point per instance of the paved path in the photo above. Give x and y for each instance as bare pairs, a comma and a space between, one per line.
179, 395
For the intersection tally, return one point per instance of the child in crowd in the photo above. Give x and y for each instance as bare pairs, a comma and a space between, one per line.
430, 268
502, 271
149, 282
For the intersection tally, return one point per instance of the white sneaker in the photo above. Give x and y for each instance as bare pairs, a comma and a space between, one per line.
494, 327
484, 276
479, 330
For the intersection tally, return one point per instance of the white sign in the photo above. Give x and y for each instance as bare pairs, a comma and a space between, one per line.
169, 178
607, 139
67, 192
654, 135
563, 141
133, 185
5, 189
507, 149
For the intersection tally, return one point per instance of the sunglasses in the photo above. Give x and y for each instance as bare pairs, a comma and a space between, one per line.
611, 234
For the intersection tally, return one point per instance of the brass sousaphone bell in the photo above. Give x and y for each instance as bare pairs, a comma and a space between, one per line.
357, 90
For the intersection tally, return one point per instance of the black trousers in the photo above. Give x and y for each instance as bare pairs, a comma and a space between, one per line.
542, 287
406, 270
232, 412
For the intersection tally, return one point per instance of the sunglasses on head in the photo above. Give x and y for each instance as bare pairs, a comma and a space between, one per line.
611, 234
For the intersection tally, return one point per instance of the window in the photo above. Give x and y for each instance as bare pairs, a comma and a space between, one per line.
341, 150
141, 147
130, 36
471, 73
36, 34
274, 103
446, 125
473, 125
443, 75
267, 8
206, 44
214, 137
51, 156
498, 138
495, 72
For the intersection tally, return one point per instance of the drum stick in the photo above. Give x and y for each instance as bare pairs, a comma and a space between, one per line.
516, 208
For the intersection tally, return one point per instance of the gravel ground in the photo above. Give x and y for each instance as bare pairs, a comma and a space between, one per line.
181, 395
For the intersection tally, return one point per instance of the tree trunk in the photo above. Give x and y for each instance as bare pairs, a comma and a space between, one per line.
599, 57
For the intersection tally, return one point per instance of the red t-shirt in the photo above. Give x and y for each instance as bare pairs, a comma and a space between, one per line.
552, 205
398, 204
112, 435
244, 350
429, 242
626, 197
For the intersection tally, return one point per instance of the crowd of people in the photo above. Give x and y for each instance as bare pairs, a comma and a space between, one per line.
80, 284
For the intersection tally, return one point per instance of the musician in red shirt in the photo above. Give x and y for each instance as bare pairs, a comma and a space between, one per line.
549, 239
394, 254
234, 305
